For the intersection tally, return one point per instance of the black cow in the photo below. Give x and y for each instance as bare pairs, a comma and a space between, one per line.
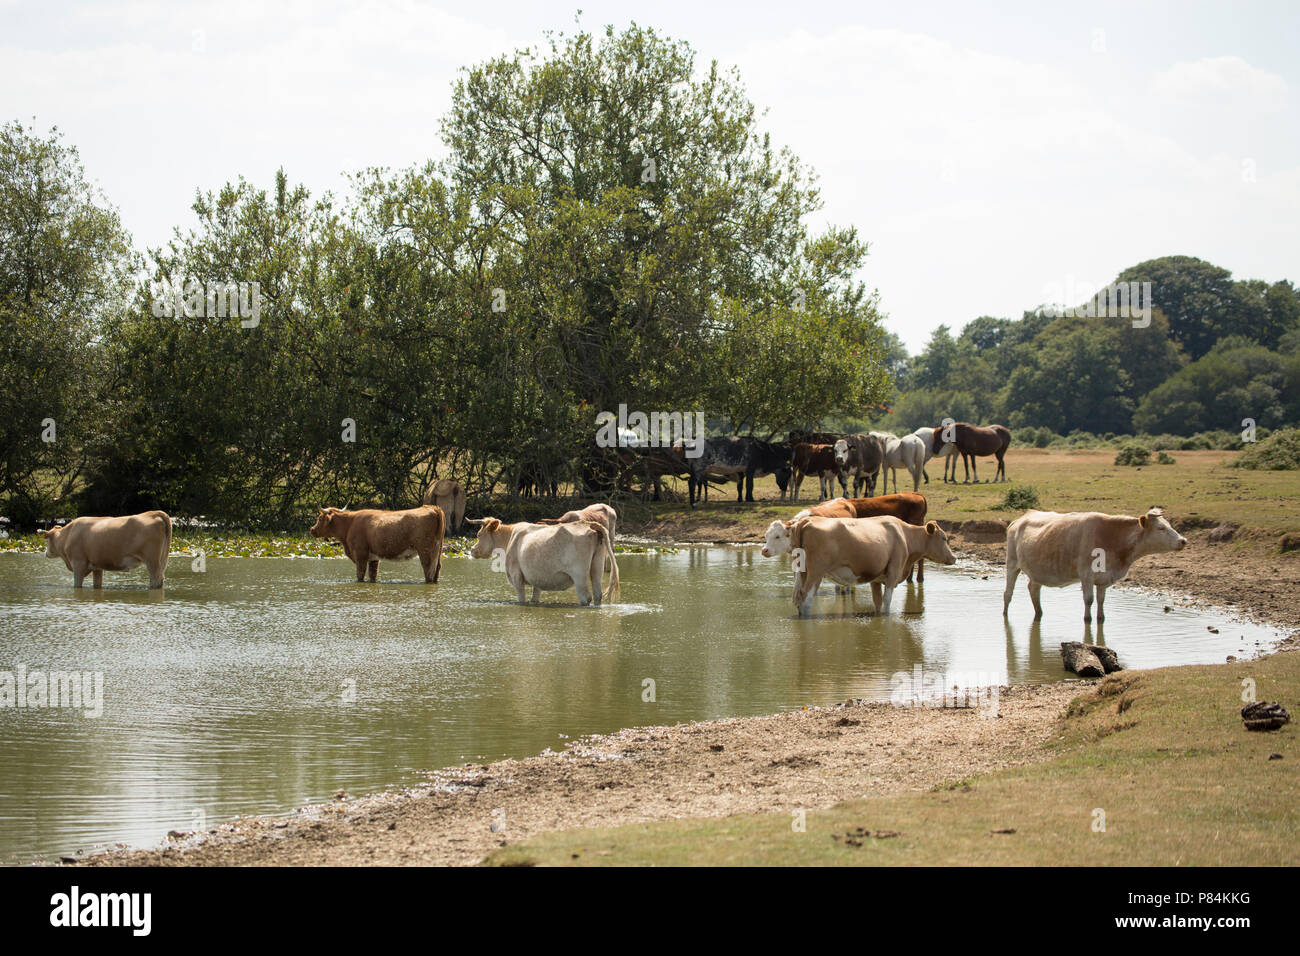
745, 457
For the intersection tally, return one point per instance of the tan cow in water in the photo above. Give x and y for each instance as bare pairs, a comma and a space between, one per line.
448, 495
372, 535
1091, 548
859, 551
96, 545
549, 557
601, 514
907, 506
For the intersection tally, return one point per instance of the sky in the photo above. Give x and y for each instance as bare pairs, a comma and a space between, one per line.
994, 156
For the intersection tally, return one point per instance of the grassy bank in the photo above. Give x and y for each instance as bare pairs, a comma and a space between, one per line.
1162, 757
1199, 487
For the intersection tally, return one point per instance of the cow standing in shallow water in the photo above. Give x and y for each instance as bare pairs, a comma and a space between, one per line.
95, 545
550, 557
862, 550
1094, 549
601, 514
372, 535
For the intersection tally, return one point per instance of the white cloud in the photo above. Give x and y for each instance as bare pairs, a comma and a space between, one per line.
1221, 81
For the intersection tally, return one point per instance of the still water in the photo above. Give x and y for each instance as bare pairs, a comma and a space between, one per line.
264, 684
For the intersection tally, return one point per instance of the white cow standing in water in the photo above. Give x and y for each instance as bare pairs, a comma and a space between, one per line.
1091, 548
550, 557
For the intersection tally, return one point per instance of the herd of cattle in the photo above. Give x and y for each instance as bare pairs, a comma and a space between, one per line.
826, 457
879, 541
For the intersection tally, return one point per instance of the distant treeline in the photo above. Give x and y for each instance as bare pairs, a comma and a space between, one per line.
607, 228
1217, 351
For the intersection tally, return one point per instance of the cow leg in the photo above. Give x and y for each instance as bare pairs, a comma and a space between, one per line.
374, 571
1101, 603
361, 569
1035, 595
156, 576
920, 570
806, 586
740, 487
1013, 573
97, 576
889, 597
537, 595
876, 598
426, 559
1087, 600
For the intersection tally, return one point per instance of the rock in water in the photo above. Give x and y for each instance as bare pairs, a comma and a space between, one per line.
1264, 715
1079, 658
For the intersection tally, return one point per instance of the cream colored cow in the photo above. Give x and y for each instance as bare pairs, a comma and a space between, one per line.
96, 545
1088, 547
853, 551
550, 557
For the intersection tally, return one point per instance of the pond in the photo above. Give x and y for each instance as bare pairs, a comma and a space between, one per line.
260, 685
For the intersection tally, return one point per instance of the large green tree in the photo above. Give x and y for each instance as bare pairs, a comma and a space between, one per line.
65, 272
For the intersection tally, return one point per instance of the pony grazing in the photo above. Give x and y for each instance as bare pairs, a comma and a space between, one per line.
973, 441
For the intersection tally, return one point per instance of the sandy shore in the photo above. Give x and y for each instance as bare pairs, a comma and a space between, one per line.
807, 759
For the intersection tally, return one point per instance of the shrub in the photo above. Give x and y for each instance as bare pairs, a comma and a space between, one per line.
1020, 498
1133, 454
1280, 451
1164, 458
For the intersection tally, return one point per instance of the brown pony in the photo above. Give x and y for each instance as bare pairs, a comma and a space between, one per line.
972, 441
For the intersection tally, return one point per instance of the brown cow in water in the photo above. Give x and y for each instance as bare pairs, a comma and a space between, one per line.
95, 545
372, 535
906, 506
448, 495
972, 441
603, 515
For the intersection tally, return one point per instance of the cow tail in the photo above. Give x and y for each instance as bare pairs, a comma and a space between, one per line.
168, 518
612, 587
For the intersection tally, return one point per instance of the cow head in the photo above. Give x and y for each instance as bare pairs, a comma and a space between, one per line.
52, 547
841, 453
486, 542
322, 528
777, 539
936, 544
1158, 534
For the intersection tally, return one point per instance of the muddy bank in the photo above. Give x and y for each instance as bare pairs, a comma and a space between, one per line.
810, 759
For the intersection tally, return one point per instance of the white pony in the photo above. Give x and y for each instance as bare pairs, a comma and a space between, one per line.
927, 440
908, 453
